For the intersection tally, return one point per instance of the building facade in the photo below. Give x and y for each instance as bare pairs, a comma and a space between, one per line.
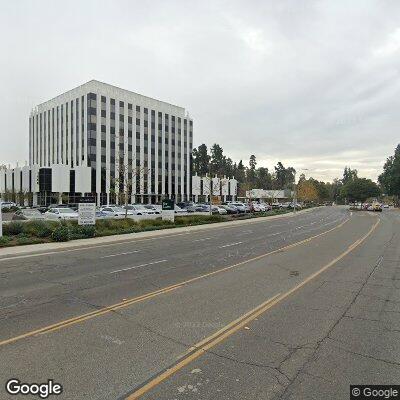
109, 143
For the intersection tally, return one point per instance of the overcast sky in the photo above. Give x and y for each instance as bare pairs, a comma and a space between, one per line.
314, 84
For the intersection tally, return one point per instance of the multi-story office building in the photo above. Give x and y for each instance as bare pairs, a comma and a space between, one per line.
105, 141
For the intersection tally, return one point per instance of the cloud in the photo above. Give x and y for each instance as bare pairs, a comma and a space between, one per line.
311, 83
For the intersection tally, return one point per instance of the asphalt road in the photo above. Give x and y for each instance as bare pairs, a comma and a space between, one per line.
292, 308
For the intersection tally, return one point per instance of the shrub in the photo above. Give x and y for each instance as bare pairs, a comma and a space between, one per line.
60, 234
82, 231
28, 240
40, 229
13, 228
198, 219
4, 240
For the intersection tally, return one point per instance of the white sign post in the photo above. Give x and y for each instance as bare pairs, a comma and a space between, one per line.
1, 220
87, 214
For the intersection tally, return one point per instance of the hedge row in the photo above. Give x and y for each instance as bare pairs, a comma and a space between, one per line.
17, 233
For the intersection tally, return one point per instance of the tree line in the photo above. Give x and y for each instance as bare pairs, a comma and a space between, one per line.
214, 162
349, 188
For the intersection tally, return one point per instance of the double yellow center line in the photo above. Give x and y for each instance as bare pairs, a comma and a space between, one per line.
128, 302
202, 347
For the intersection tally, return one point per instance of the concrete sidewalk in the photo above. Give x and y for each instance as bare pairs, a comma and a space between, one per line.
131, 237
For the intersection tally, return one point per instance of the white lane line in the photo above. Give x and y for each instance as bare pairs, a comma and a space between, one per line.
202, 240
137, 266
121, 254
230, 244
274, 234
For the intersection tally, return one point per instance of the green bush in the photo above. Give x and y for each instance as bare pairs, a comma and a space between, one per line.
61, 234
40, 229
28, 240
4, 240
13, 228
81, 231
198, 219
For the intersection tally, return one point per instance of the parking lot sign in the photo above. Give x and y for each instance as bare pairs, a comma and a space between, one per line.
87, 214
168, 204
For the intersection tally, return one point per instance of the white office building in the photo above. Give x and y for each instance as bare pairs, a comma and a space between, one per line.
102, 141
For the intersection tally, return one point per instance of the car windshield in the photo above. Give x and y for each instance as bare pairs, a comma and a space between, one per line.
118, 209
66, 210
31, 212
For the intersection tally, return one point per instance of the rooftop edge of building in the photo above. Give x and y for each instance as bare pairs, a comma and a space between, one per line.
93, 85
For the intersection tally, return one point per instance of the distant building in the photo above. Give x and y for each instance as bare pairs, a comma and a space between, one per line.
272, 195
222, 189
102, 141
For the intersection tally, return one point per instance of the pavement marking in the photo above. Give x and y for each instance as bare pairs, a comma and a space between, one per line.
121, 254
229, 245
128, 302
127, 241
137, 266
202, 347
202, 240
274, 234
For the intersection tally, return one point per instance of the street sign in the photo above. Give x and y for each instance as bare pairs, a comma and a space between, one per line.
168, 204
87, 214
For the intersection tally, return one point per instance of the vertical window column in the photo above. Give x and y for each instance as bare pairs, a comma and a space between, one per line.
163, 155
98, 147
85, 131
141, 151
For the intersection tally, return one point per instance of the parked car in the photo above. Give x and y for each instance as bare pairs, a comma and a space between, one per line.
230, 209
377, 206
7, 204
201, 207
114, 211
101, 215
61, 213
179, 210
152, 207
240, 207
27, 214
188, 206
218, 210
139, 209
276, 205
256, 207
58, 206
265, 207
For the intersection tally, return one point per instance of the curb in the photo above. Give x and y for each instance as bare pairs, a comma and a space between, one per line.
33, 249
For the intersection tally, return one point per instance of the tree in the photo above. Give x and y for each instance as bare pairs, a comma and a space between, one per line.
125, 182
264, 179
360, 189
306, 190
251, 172
390, 177
283, 177
241, 174
349, 175
217, 159
201, 160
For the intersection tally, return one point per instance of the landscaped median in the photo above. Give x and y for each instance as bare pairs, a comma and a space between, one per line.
32, 232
